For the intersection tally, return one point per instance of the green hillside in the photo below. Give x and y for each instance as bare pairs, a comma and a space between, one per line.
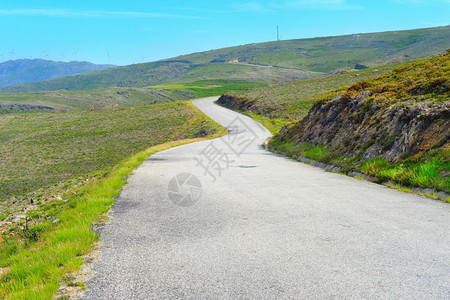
41, 149
325, 54
266, 62
63, 101
167, 72
106, 98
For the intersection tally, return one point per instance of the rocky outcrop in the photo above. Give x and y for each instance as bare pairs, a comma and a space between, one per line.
360, 127
236, 102
395, 116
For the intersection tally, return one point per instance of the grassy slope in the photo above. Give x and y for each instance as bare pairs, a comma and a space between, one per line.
291, 101
143, 75
425, 80
115, 97
47, 252
62, 101
208, 88
328, 53
241, 72
42, 149
311, 55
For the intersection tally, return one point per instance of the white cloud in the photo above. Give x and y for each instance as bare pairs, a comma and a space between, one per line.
270, 6
314, 2
252, 7
317, 4
409, 1
86, 13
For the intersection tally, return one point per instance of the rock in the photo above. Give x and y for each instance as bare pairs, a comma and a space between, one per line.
361, 67
337, 169
445, 174
321, 165
235, 102
18, 217
442, 195
3, 271
355, 174
428, 191
56, 221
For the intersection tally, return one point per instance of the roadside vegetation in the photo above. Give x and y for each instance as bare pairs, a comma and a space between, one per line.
430, 170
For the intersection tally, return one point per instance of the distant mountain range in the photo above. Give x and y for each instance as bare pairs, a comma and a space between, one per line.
270, 62
20, 71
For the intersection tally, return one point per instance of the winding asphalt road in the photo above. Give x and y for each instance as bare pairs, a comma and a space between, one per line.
266, 228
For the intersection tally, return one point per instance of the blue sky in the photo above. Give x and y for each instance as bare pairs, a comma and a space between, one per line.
126, 32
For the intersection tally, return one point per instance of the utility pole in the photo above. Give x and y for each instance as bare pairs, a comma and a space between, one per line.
278, 34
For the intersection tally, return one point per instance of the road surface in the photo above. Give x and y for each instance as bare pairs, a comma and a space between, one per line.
265, 227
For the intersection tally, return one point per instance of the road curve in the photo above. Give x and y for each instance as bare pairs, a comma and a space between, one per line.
266, 227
